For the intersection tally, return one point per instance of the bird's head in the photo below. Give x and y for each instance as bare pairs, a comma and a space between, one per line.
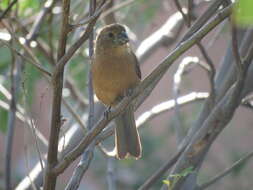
113, 36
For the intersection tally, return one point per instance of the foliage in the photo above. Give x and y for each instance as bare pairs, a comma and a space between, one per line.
243, 12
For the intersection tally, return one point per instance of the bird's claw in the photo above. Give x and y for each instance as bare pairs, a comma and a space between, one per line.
107, 112
129, 92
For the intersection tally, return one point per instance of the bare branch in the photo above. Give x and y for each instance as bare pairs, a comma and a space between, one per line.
221, 114
41, 16
109, 18
226, 171
5, 12
145, 88
186, 62
160, 172
33, 62
87, 154
16, 70
169, 105
235, 47
202, 19
164, 36
81, 168
211, 70
57, 82
111, 178
20, 114
93, 16
117, 7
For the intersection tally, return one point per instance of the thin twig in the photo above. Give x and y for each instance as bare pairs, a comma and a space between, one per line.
81, 168
164, 36
117, 7
33, 62
110, 18
92, 17
57, 82
169, 105
27, 166
145, 88
39, 20
4, 13
211, 71
235, 47
221, 114
202, 19
161, 69
15, 83
74, 114
110, 176
176, 85
160, 172
226, 171
20, 113
185, 15
87, 156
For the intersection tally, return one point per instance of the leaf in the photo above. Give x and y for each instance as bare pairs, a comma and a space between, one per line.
28, 6
167, 182
243, 14
3, 119
3, 4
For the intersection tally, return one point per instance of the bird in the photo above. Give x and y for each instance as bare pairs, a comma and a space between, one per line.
116, 72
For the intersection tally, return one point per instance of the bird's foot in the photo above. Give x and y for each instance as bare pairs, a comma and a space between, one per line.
129, 92
107, 111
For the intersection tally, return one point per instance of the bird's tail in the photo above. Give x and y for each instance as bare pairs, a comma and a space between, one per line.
127, 139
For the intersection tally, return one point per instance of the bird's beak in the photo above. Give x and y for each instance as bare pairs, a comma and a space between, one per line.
123, 38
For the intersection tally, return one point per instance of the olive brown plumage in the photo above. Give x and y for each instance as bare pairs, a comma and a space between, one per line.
115, 71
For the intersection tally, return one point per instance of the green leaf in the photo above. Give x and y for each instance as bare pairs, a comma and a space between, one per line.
167, 182
28, 6
3, 120
3, 4
243, 12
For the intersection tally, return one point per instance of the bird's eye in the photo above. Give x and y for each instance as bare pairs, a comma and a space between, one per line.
110, 34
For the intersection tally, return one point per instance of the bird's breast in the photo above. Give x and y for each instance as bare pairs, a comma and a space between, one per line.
112, 76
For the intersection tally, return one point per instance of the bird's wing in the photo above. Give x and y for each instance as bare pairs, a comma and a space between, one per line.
137, 66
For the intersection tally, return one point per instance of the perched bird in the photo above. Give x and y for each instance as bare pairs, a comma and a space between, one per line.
115, 72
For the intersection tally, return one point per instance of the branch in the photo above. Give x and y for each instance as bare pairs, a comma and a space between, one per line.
81, 168
211, 10
8, 9
145, 88
160, 172
157, 74
87, 156
211, 71
16, 69
34, 62
41, 16
226, 171
111, 178
221, 114
186, 62
164, 36
20, 114
94, 16
109, 18
57, 82
169, 105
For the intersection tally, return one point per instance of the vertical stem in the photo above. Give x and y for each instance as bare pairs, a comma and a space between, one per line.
57, 82
90, 87
11, 127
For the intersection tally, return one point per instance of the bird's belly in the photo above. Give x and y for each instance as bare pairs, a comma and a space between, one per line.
110, 84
